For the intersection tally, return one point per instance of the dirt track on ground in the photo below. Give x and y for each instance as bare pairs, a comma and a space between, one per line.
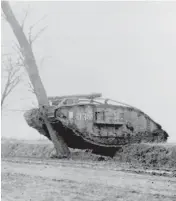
31, 179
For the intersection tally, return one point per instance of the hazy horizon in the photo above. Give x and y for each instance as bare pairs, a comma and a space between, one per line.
124, 50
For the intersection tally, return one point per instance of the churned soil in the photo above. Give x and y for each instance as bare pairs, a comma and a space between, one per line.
137, 172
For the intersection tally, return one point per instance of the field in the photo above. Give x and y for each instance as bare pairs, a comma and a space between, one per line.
139, 172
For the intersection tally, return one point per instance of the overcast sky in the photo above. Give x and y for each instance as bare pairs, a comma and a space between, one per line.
125, 50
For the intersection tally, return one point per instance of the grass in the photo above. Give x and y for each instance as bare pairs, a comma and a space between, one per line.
24, 148
156, 156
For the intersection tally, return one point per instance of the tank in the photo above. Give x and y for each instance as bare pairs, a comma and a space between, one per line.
92, 122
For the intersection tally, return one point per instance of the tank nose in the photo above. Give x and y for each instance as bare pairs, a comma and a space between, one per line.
166, 135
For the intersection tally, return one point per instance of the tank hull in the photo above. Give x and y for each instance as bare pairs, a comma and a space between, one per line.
86, 126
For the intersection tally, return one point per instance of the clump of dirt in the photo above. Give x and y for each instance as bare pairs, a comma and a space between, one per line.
147, 155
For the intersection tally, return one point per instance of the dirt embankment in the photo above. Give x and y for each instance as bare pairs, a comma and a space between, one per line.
147, 156
156, 156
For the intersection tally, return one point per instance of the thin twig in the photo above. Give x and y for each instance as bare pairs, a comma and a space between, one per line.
34, 38
34, 25
25, 17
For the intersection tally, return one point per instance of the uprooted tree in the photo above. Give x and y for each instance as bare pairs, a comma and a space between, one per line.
33, 73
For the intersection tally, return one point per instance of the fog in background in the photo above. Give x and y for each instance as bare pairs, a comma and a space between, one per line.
124, 50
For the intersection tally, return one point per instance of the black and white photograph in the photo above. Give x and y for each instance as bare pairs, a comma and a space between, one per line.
88, 100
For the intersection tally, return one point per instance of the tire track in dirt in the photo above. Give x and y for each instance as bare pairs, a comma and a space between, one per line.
73, 181
109, 165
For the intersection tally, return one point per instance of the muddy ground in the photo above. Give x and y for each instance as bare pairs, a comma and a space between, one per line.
40, 178
24, 179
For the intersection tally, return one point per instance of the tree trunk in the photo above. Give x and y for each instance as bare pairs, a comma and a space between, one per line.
32, 70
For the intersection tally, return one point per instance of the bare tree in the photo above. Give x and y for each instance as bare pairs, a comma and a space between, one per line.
33, 73
12, 77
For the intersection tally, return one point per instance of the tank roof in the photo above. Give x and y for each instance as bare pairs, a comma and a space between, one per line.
95, 98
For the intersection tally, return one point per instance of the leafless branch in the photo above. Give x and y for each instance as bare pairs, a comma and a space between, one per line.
34, 25
31, 89
34, 38
12, 80
25, 16
20, 60
31, 38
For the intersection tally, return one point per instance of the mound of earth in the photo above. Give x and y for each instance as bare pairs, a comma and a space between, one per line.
149, 155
